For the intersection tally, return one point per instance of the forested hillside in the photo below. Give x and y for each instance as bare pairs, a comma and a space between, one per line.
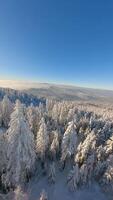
54, 140
25, 98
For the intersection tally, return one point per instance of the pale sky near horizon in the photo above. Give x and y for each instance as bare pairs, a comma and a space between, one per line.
60, 41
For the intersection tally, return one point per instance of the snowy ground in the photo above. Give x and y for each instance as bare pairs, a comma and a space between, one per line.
2, 130
60, 191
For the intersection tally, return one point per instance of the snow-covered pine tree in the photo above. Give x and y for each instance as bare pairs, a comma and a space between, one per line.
41, 110
7, 108
107, 178
109, 146
49, 106
0, 120
91, 165
33, 118
54, 148
87, 170
83, 174
52, 173
87, 147
42, 140
43, 195
20, 150
0, 114
63, 113
103, 153
55, 112
71, 114
100, 169
74, 178
69, 141
3, 160
19, 194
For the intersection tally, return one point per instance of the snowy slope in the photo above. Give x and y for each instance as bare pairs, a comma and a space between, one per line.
60, 92
65, 92
59, 191
2, 130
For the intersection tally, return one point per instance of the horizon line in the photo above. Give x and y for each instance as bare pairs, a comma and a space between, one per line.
20, 84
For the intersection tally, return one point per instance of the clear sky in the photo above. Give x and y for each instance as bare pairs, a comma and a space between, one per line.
60, 41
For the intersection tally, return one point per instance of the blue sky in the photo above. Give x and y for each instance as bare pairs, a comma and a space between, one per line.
60, 41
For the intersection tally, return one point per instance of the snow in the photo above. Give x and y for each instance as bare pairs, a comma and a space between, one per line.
85, 143
20, 148
59, 190
2, 131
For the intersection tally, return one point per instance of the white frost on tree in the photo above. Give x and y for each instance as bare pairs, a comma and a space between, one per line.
54, 148
55, 112
83, 174
42, 140
107, 179
33, 118
87, 169
49, 106
103, 154
69, 141
43, 195
3, 159
71, 114
63, 113
52, 173
0, 114
19, 194
109, 146
88, 146
20, 150
74, 178
41, 110
6, 111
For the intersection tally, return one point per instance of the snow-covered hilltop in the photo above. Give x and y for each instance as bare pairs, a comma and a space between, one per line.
60, 91
57, 148
71, 93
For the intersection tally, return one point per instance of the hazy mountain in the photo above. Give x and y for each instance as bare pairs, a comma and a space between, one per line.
60, 92
64, 92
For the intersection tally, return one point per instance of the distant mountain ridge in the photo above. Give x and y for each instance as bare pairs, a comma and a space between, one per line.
63, 92
39, 91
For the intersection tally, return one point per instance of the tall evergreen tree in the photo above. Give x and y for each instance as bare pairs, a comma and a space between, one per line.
7, 108
42, 140
69, 141
20, 150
